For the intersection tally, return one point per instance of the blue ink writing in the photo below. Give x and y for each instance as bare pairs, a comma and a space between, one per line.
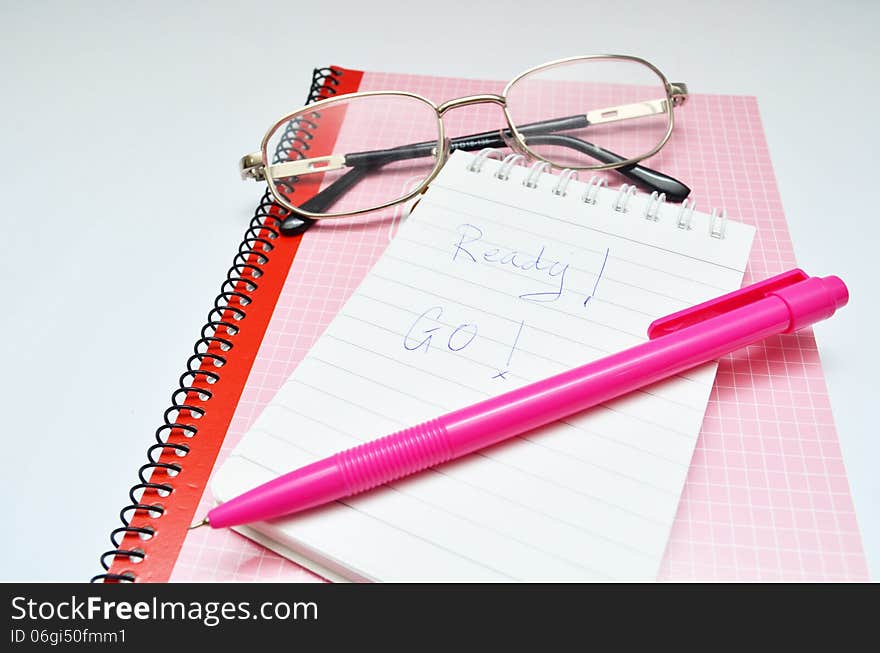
598, 278
412, 343
516, 340
468, 247
466, 333
426, 326
469, 234
502, 374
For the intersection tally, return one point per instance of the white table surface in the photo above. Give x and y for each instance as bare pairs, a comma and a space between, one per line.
120, 130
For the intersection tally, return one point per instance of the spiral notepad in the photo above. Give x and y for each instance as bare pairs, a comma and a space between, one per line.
500, 276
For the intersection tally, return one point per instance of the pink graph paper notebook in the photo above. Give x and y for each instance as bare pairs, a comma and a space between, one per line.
766, 495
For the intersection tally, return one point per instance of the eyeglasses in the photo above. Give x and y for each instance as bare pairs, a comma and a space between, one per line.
622, 104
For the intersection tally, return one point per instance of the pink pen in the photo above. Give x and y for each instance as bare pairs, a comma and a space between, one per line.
781, 304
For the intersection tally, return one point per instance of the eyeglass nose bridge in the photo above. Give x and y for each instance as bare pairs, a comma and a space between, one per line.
486, 98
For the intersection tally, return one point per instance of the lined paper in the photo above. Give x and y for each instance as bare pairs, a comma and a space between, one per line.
489, 285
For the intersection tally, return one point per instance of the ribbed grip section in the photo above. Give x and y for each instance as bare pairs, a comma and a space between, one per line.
394, 456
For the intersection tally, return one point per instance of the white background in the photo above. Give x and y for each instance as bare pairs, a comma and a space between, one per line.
120, 204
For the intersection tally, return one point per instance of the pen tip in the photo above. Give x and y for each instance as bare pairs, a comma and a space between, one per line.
198, 524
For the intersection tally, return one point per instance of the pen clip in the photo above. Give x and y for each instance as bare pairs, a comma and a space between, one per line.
724, 303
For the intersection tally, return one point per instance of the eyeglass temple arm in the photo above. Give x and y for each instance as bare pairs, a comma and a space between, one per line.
252, 167
293, 224
327, 196
536, 134
649, 178
365, 162
655, 180
675, 191
491, 138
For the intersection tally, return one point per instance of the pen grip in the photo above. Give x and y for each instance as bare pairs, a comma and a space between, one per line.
394, 456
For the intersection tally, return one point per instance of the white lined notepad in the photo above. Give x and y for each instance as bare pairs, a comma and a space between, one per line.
489, 285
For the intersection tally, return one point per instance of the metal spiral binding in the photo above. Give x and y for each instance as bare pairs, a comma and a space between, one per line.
620, 204
591, 195
565, 178
538, 168
652, 210
624, 194
219, 329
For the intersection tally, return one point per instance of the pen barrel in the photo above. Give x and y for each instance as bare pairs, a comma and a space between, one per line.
394, 456
716, 332
549, 400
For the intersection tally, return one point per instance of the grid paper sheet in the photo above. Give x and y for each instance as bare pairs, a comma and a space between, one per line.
766, 495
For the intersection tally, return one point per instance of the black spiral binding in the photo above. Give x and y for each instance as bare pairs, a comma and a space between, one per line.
253, 252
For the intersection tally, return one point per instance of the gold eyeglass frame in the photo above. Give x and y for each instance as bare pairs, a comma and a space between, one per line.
257, 166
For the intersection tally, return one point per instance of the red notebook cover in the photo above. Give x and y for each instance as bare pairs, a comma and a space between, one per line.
194, 426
